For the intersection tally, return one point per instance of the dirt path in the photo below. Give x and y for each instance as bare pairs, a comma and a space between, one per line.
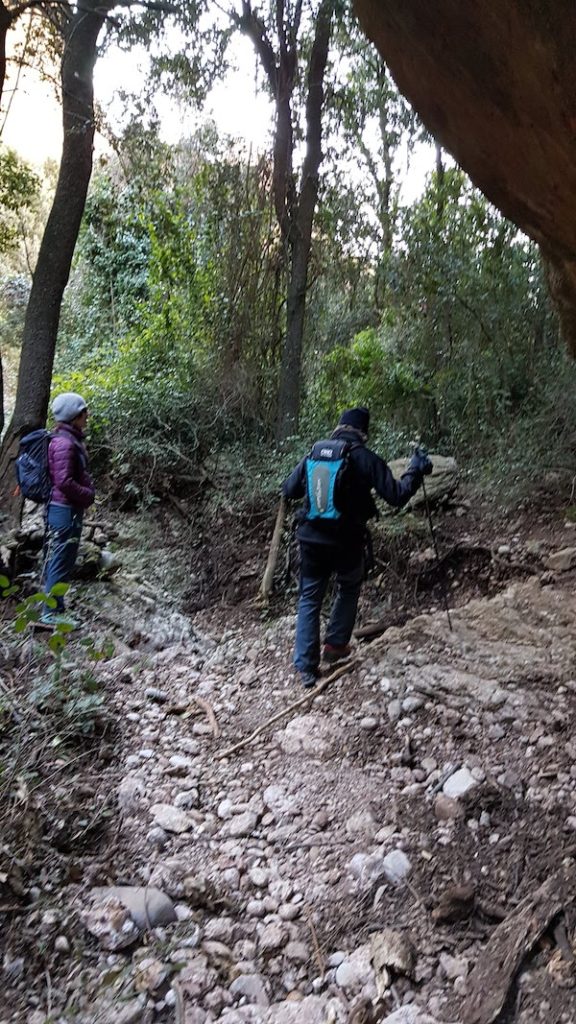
443, 758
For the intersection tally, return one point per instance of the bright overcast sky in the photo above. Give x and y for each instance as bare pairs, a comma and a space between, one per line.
33, 122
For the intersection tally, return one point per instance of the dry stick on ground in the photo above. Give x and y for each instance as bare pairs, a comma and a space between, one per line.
346, 667
179, 1009
268, 577
320, 959
291, 707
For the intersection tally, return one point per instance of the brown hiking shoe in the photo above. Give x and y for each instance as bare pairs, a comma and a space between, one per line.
332, 654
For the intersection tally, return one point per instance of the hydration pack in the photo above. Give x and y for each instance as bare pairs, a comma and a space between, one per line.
32, 466
327, 479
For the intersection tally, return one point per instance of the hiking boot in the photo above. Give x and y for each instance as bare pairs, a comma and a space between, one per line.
50, 620
332, 654
308, 679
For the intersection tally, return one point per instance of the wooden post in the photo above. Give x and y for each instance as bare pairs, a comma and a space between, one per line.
268, 577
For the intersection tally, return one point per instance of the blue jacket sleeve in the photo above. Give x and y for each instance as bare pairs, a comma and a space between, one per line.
295, 485
394, 492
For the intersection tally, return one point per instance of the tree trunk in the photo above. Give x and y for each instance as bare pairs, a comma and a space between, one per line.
60, 235
5, 23
1, 396
440, 181
300, 237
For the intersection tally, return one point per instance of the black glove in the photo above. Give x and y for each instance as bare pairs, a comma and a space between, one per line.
421, 462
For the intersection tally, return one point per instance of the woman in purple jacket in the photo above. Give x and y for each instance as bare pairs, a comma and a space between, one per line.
72, 492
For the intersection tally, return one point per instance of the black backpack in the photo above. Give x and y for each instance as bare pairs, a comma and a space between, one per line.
31, 466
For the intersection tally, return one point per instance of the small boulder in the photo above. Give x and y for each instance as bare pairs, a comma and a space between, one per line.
367, 867
171, 818
356, 970
149, 975
148, 906
396, 866
561, 561
459, 783
446, 808
251, 987
241, 824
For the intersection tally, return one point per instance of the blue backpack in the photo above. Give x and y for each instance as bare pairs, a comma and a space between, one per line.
32, 466
326, 479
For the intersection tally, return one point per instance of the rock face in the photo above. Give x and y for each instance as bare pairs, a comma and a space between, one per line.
498, 92
441, 484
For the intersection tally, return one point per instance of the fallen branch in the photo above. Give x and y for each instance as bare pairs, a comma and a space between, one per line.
320, 960
496, 968
306, 699
380, 641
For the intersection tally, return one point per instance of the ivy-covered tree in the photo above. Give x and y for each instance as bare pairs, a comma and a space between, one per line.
292, 48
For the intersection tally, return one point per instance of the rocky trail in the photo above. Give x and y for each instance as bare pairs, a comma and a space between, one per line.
400, 848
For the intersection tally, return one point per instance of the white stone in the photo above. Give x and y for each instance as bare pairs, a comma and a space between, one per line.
259, 877
310, 1010
251, 986
313, 734
180, 763
368, 724
361, 822
298, 952
366, 867
271, 938
224, 809
241, 824
171, 819
459, 783
289, 911
412, 703
394, 710
410, 1014
561, 561
186, 799
356, 970
130, 793
454, 967
396, 866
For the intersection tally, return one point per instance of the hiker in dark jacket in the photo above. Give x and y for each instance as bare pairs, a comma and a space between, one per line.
72, 493
330, 546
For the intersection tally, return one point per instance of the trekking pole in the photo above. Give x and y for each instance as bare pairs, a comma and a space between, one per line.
435, 546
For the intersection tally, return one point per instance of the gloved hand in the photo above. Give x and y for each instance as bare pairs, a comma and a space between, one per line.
421, 462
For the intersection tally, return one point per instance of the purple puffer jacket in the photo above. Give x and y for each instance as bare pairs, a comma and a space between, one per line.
68, 464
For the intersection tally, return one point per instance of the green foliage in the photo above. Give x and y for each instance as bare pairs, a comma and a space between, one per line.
466, 352
18, 188
184, 354
367, 373
434, 315
72, 700
67, 696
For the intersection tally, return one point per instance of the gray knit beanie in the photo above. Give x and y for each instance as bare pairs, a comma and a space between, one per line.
67, 406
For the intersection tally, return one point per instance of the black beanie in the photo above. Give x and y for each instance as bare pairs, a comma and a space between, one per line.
358, 418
